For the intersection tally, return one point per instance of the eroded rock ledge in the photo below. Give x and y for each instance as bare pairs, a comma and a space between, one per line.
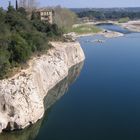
21, 97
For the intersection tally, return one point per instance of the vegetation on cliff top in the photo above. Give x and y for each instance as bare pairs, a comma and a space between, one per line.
21, 37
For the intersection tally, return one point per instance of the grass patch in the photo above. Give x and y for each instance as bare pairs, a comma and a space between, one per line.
85, 29
123, 20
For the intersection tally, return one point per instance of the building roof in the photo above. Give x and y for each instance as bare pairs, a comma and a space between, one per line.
44, 10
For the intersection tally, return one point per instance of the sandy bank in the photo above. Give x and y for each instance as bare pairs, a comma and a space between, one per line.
107, 34
132, 25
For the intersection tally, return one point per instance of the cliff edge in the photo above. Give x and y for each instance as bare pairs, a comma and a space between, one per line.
22, 96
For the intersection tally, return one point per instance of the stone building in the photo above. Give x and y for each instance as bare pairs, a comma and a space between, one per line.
45, 14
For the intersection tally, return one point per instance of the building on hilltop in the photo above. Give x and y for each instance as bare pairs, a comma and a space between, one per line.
45, 14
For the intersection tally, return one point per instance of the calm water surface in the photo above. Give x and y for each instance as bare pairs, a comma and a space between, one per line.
104, 101
113, 27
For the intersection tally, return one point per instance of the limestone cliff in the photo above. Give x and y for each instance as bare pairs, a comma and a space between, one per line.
30, 133
21, 97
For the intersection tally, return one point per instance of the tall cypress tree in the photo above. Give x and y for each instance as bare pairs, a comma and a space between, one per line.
16, 5
9, 3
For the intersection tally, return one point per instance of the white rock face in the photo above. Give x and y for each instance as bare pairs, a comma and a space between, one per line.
21, 97
50, 99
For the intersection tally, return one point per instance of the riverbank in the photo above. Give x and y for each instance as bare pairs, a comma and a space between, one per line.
21, 96
132, 25
90, 28
105, 33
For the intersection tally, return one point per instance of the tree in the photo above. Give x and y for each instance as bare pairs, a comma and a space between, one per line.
4, 62
32, 4
23, 3
22, 11
16, 5
19, 48
2, 15
28, 4
10, 9
64, 18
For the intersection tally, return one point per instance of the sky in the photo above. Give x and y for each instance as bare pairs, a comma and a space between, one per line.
82, 3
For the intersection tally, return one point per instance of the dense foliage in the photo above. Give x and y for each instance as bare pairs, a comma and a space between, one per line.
21, 37
102, 14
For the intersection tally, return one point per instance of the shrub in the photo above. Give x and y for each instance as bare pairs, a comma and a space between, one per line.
4, 62
19, 48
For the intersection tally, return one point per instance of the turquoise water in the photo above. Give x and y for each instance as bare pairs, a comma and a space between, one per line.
99, 100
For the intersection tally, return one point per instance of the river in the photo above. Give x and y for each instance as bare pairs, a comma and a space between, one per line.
100, 103
113, 27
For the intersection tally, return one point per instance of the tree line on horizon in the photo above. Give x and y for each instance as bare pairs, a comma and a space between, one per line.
105, 14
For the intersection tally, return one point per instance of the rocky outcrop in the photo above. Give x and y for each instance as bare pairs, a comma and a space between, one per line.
21, 97
111, 34
30, 133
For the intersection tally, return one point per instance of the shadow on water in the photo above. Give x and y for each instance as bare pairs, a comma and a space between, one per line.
52, 97
99, 24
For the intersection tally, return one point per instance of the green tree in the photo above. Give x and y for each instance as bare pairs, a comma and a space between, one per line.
4, 62
19, 48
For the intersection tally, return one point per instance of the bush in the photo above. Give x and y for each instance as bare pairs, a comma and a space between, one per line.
4, 62
39, 41
19, 48
51, 30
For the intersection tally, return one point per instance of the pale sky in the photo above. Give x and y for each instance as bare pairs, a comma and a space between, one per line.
83, 3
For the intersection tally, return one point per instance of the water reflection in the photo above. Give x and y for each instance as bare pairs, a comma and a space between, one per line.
62, 87
28, 134
53, 95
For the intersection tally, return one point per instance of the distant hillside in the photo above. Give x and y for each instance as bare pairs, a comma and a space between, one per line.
128, 9
108, 13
